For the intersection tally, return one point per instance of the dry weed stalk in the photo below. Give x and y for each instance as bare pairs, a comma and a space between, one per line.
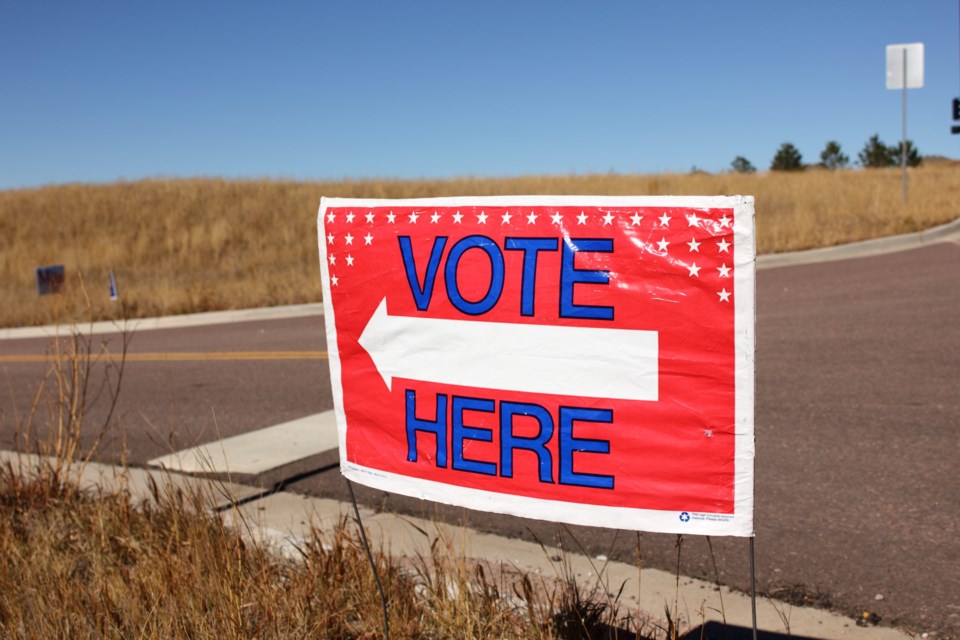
57, 427
585, 610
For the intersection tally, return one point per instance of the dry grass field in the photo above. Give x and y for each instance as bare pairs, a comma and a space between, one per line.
181, 246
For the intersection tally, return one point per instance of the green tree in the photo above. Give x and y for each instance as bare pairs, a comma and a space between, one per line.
742, 165
875, 154
832, 157
914, 158
788, 158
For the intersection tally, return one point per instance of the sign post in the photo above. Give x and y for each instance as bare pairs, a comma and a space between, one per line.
50, 279
955, 106
904, 71
587, 360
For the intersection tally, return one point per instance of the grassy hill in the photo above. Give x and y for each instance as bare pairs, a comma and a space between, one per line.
181, 246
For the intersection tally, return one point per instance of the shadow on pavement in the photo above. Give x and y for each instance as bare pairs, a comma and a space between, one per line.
720, 631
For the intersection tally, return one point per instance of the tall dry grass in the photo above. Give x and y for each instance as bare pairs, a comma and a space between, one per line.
81, 565
180, 246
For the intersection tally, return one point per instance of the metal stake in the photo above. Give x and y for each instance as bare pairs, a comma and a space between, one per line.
373, 565
753, 587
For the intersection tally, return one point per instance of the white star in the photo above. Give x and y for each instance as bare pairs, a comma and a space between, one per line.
333, 259
329, 238
331, 217
557, 218
662, 245
724, 245
724, 271
607, 218
348, 238
694, 270
724, 221
368, 239
334, 280
413, 217
531, 218
391, 217
435, 217
369, 217
482, 218
506, 217
349, 260
582, 218
724, 295
694, 245
665, 220
350, 217
693, 220
457, 217
635, 219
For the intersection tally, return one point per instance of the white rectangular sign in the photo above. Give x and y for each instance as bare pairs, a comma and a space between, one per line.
580, 359
913, 55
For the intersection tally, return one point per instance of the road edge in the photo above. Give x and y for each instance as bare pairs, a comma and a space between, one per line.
167, 322
949, 232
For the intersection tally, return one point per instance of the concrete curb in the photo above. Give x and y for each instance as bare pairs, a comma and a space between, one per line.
949, 232
167, 322
284, 520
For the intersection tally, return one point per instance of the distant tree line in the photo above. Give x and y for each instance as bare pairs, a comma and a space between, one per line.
875, 154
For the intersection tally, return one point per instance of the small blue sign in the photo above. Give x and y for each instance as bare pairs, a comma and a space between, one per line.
114, 294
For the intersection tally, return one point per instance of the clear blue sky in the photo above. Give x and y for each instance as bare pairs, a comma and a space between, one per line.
105, 90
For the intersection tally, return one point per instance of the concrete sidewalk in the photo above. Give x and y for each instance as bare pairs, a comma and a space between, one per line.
284, 520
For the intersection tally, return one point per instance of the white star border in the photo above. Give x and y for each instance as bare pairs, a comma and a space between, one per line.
668, 220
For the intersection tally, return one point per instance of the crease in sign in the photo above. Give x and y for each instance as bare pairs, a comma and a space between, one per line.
597, 362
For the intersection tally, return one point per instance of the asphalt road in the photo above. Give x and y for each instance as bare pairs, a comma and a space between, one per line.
857, 427
169, 404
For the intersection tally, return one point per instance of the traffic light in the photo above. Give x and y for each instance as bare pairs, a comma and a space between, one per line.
956, 116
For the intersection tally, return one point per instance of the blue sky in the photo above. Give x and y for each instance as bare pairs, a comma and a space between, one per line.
105, 90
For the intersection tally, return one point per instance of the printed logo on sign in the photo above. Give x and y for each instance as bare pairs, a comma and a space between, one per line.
578, 354
684, 517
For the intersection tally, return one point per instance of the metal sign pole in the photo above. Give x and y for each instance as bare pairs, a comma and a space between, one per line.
753, 586
903, 143
909, 58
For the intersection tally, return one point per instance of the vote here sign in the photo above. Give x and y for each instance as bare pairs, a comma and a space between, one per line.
580, 359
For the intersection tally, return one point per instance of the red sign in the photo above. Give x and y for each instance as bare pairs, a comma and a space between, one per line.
587, 360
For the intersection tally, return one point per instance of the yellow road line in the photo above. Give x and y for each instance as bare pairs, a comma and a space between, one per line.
188, 356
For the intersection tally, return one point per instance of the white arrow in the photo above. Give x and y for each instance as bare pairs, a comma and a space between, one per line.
570, 361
